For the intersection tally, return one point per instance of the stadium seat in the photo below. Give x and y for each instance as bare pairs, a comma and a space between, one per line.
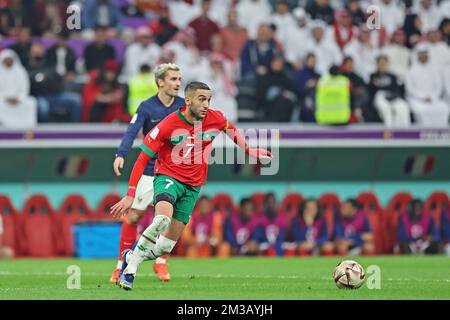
224, 203
398, 204
290, 203
74, 209
375, 214
258, 199
40, 227
103, 209
331, 204
436, 202
10, 219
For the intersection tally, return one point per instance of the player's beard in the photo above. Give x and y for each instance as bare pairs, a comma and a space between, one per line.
195, 114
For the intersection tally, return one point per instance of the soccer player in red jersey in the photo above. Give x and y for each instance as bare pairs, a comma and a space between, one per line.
183, 142
148, 115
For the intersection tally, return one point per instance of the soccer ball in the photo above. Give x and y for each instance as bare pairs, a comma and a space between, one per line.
349, 274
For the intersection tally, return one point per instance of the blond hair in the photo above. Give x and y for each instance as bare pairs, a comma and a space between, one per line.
161, 70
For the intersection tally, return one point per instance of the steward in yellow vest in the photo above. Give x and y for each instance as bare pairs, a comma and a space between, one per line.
333, 99
140, 87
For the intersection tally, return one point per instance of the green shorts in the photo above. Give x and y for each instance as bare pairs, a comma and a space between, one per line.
185, 195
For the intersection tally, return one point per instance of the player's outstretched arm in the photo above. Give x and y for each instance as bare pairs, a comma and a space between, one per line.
234, 135
122, 207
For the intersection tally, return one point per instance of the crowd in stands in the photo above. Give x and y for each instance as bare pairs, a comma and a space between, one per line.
313, 61
259, 225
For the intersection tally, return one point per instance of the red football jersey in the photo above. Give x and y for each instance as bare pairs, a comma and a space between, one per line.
184, 148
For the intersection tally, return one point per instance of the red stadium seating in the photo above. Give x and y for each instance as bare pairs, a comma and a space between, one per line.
290, 203
40, 228
74, 209
224, 203
258, 199
330, 202
103, 209
375, 214
10, 221
435, 203
399, 204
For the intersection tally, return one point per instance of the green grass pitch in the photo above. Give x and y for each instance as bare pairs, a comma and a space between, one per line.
234, 278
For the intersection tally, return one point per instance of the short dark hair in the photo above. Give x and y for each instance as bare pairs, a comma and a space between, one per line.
382, 57
244, 201
354, 203
145, 68
194, 86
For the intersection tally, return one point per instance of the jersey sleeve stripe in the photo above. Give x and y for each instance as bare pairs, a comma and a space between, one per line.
147, 150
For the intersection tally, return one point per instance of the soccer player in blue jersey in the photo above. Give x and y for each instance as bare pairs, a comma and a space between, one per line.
148, 115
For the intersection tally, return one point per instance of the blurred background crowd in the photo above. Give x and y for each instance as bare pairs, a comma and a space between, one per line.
309, 61
259, 225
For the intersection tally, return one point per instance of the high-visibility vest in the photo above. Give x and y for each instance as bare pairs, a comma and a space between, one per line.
141, 87
333, 100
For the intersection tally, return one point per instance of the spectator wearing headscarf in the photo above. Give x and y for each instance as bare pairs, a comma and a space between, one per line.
216, 76
295, 39
343, 29
398, 55
253, 13
424, 87
17, 108
412, 28
391, 14
323, 46
429, 14
439, 50
363, 53
305, 82
143, 51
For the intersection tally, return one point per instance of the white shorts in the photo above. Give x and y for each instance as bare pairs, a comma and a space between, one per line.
144, 193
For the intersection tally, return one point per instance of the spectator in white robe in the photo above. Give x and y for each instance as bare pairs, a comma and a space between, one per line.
215, 75
295, 39
283, 20
429, 14
424, 87
323, 46
392, 15
398, 55
181, 13
17, 108
186, 54
439, 50
364, 54
253, 13
144, 51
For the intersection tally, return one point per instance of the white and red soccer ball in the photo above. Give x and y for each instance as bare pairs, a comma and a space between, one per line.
349, 274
